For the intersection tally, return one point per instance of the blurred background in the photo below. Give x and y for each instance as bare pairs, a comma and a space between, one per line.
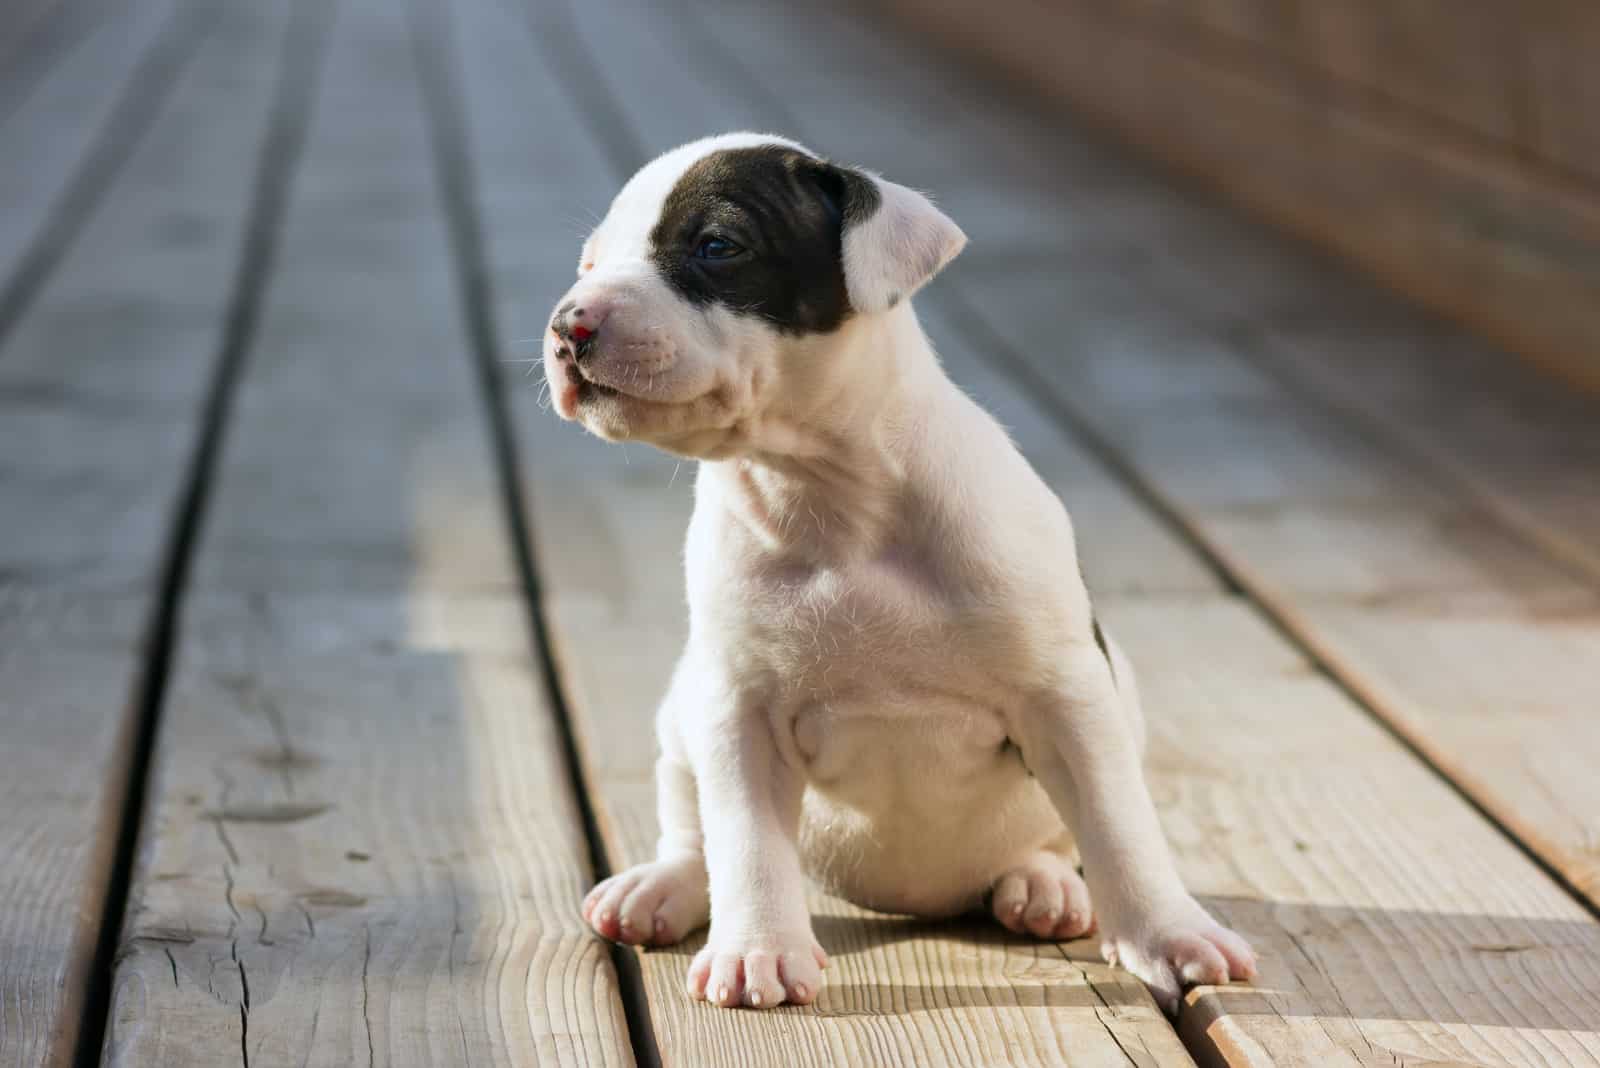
1448, 149
328, 655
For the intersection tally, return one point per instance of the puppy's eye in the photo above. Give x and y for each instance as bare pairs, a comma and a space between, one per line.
716, 248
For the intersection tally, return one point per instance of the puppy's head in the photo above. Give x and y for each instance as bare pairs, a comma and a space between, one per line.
723, 277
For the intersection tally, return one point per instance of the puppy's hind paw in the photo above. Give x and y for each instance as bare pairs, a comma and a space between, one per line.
654, 904
1045, 897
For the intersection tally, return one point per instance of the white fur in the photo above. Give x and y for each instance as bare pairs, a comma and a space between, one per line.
884, 600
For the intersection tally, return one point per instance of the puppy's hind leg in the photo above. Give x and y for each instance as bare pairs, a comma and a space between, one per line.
1044, 895
659, 902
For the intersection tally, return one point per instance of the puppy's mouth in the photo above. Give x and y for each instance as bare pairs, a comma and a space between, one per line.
586, 385
593, 378
583, 387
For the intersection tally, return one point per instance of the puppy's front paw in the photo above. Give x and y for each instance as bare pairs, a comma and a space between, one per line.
650, 904
758, 972
1170, 952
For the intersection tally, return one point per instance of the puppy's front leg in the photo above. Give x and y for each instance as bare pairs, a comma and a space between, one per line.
1079, 740
761, 951
662, 900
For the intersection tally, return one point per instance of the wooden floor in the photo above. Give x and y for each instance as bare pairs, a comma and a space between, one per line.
328, 656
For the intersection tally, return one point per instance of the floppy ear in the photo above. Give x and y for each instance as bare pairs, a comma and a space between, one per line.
894, 240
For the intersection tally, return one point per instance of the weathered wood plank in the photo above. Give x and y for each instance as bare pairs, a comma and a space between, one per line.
69, 140
608, 524
102, 390
1397, 924
1521, 446
362, 844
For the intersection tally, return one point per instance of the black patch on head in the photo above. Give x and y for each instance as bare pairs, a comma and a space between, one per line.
786, 213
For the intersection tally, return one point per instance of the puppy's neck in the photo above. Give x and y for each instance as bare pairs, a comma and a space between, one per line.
822, 477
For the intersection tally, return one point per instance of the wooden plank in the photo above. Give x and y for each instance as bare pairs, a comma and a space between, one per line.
77, 132
1471, 231
607, 525
102, 390
362, 844
1520, 446
1379, 897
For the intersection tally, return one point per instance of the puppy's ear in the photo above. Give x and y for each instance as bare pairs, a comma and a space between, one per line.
893, 239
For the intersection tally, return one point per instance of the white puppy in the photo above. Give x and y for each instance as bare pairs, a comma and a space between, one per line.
894, 679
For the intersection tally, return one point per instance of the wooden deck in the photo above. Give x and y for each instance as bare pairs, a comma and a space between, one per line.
328, 657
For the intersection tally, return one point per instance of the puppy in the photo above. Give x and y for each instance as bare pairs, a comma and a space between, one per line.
894, 681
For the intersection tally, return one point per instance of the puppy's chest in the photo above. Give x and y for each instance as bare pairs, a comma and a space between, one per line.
878, 639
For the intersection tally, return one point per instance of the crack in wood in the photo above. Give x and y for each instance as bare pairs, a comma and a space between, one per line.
366, 991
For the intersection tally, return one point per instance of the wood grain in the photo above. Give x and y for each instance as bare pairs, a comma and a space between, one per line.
608, 524
362, 845
102, 389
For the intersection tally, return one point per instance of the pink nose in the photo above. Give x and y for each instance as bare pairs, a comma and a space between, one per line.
580, 320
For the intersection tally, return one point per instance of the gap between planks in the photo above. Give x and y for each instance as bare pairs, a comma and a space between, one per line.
300, 69
433, 35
